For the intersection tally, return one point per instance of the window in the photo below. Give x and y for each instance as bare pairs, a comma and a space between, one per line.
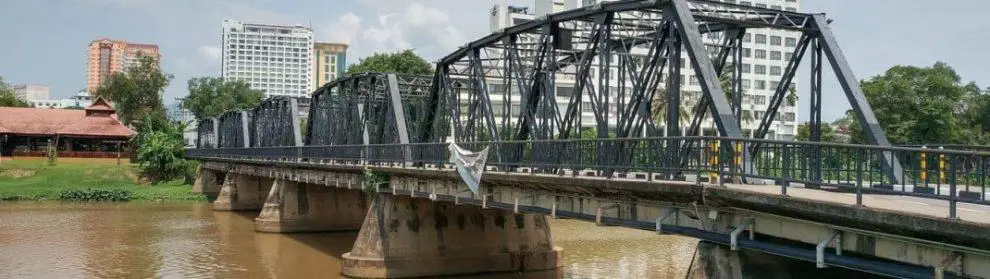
775, 55
775, 7
694, 80
747, 68
761, 39
760, 69
775, 40
788, 54
761, 84
747, 38
745, 3
774, 84
760, 100
746, 84
790, 9
761, 54
790, 42
747, 52
775, 70
758, 5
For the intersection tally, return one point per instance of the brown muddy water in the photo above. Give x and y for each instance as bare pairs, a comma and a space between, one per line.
190, 240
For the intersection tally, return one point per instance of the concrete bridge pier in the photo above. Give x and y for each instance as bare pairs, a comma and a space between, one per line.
208, 182
303, 207
411, 237
242, 192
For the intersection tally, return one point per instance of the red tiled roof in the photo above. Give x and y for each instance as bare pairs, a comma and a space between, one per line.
37, 121
100, 104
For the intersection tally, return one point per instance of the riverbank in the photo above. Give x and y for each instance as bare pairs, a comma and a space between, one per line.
77, 179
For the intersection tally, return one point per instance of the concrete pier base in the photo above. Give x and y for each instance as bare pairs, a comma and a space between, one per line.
242, 192
207, 183
302, 207
407, 237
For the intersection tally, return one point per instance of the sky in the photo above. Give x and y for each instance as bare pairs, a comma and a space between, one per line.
44, 41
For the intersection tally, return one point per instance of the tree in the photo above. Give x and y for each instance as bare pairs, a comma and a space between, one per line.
212, 96
921, 105
404, 62
160, 149
828, 133
137, 92
8, 98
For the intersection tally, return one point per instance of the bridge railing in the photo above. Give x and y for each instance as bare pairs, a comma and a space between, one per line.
951, 175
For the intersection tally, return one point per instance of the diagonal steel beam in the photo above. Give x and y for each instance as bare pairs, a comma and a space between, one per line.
679, 12
850, 85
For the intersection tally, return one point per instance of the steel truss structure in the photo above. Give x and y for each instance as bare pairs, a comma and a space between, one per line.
617, 57
367, 108
273, 123
614, 57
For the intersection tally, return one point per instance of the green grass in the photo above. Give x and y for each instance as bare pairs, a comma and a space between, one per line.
34, 179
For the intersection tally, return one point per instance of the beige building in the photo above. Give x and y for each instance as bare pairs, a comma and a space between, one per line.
31, 92
106, 56
329, 60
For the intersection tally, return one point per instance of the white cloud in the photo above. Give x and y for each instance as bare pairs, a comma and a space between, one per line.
345, 29
428, 29
211, 53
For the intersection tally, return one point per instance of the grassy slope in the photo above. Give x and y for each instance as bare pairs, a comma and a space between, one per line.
33, 178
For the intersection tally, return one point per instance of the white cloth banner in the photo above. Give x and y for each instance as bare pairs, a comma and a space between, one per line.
470, 165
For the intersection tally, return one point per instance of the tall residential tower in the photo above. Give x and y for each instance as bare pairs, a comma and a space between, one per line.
275, 59
106, 56
328, 62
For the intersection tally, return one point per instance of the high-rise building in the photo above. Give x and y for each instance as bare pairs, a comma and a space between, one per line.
766, 53
106, 56
32, 92
275, 59
328, 62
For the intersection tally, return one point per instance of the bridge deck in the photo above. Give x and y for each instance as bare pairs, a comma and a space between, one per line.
905, 204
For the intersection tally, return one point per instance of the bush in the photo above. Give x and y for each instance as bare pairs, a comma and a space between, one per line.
160, 151
116, 195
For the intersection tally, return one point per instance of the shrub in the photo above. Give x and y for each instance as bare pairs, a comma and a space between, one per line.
116, 195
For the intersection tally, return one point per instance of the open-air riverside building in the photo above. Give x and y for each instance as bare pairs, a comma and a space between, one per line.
93, 132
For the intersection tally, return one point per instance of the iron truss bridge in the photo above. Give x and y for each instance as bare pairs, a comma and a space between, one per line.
506, 91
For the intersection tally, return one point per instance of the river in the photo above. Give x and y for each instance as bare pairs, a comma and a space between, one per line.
190, 240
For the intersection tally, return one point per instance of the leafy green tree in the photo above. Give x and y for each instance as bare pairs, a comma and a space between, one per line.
212, 96
828, 132
921, 105
160, 149
137, 92
403, 62
7, 97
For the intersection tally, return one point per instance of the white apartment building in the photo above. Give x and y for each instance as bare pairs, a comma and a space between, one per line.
32, 92
765, 55
81, 100
275, 59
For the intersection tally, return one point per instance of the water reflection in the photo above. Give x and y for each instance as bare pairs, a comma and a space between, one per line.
189, 240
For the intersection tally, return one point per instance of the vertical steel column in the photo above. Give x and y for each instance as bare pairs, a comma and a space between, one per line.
673, 101
850, 85
246, 139
216, 132
815, 133
400, 116
674, 87
294, 117
737, 93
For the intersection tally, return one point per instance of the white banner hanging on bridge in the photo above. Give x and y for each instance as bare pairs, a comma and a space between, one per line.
470, 165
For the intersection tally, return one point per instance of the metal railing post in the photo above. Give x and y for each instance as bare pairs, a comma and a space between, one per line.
953, 196
785, 176
859, 178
